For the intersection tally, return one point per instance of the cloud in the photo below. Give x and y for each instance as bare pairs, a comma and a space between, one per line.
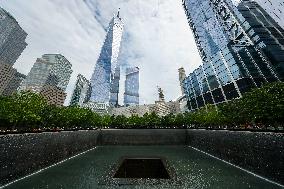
156, 38
55, 26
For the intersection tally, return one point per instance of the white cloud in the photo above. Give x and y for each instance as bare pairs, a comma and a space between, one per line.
157, 38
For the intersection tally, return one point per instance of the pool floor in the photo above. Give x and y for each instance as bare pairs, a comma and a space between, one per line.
192, 169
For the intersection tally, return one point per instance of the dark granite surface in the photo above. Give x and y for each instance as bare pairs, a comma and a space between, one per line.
143, 137
261, 153
23, 154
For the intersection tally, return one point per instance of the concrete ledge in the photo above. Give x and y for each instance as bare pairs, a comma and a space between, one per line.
260, 153
143, 137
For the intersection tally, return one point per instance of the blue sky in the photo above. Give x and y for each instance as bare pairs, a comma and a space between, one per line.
156, 38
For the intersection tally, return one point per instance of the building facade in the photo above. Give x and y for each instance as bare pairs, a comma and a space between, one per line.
12, 44
50, 69
14, 83
138, 110
131, 93
274, 8
53, 95
182, 100
60, 71
50, 72
104, 73
100, 108
160, 108
114, 89
81, 92
7, 73
181, 77
241, 47
12, 38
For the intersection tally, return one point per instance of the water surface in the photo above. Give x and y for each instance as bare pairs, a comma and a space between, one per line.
193, 170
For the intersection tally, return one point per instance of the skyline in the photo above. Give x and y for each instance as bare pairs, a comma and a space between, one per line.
191, 78
152, 21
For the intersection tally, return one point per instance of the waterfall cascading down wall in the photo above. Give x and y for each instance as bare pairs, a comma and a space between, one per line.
258, 152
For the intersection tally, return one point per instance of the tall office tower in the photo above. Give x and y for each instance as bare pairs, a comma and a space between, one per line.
82, 91
241, 47
14, 83
104, 73
114, 89
12, 44
50, 69
50, 72
131, 94
269, 37
12, 38
181, 77
274, 8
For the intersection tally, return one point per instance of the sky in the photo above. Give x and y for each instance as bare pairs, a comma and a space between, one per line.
156, 37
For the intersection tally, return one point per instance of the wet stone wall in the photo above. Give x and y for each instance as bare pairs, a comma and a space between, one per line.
23, 154
143, 137
261, 153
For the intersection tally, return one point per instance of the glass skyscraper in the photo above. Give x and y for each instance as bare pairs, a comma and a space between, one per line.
82, 91
131, 94
12, 38
50, 69
241, 47
114, 89
104, 78
12, 44
274, 8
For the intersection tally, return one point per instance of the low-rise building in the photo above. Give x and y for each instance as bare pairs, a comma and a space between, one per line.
182, 100
161, 108
100, 108
139, 110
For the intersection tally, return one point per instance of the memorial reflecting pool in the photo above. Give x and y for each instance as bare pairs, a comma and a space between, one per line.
184, 167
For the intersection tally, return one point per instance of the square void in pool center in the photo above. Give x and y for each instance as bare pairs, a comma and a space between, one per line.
153, 168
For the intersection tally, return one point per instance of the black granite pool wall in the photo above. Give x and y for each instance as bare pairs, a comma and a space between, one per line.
23, 154
261, 153
143, 137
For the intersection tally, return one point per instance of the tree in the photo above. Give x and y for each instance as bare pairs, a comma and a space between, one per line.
25, 110
179, 121
106, 121
134, 121
260, 106
265, 105
5, 109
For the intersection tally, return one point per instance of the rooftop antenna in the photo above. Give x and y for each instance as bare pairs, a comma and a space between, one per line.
118, 13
